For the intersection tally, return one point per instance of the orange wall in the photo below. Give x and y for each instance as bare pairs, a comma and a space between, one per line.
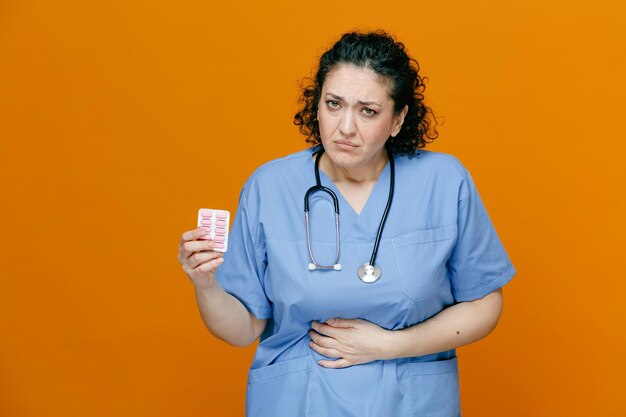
119, 119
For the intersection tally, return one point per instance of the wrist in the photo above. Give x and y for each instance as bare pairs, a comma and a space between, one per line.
207, 290
387, 348
403, 343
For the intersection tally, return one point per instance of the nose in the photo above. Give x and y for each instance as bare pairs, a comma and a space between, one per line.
347, 126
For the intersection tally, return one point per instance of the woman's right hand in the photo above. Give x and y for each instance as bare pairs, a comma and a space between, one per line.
198, 259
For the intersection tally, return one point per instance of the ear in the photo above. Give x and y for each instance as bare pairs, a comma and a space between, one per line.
399, 120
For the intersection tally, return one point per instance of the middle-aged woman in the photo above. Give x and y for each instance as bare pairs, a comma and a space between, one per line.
357, 315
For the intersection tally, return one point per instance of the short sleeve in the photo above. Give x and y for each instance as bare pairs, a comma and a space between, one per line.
243, 270
478, 263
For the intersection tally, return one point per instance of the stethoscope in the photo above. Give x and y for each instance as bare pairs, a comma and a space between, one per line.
368, 272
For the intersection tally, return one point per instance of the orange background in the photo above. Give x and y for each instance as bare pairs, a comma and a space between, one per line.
119, 119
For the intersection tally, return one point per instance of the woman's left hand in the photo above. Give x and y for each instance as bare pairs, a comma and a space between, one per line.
352, 341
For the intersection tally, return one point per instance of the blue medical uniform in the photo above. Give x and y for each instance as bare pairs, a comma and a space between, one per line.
438, 248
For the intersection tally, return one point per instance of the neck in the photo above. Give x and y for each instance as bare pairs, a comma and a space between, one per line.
366, 172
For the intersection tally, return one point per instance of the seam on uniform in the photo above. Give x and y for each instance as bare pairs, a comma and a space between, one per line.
277, 376
488, 282
423, 242
425, 374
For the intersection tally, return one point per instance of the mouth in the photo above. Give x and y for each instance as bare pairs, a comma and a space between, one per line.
345, 143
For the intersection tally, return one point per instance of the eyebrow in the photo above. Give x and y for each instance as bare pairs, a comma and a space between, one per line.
366, 103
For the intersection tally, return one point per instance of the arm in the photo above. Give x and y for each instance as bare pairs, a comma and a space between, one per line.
357, 341
224, 315
458, 325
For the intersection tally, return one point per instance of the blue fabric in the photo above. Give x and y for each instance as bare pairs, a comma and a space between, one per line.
438, 248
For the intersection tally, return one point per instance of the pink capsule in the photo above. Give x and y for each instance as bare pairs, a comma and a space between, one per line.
220, 223
219, 245
219, 238
206, 213
204, 222
220, 215
220, 230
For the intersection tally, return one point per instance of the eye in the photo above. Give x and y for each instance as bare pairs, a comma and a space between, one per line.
368, 111
332, 103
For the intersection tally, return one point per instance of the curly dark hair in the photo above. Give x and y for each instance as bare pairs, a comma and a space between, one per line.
379, 52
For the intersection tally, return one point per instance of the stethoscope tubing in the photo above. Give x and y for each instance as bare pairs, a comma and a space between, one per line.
392, 170
319, 187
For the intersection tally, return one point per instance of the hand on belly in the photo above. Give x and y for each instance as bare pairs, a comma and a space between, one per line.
351, 341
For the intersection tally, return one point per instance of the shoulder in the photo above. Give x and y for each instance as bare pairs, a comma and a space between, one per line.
279, 172
427, 161
443, 169
284, 164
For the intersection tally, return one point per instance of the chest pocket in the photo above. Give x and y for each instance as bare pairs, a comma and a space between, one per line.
421, 257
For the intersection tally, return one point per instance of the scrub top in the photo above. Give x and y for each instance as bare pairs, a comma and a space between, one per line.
439, 247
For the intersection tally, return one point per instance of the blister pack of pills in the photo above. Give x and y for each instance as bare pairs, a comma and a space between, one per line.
216, 223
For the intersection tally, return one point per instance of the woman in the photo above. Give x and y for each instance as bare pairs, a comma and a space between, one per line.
363, 331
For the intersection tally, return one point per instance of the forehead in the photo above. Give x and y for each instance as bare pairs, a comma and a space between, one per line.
352, 82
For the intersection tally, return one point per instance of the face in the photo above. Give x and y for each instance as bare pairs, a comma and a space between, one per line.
356, 116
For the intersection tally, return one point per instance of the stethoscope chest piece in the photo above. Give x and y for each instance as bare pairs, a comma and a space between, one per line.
368, 273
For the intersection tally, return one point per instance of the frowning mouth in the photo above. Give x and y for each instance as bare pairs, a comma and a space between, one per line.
345, 143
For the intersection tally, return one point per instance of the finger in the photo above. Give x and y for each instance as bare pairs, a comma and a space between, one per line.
192, 234
325, 342
342, 322
193, 246
202, 257
339, 363
325, 329
209, 266
331, 353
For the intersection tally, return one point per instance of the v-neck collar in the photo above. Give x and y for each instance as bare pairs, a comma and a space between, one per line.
368, 220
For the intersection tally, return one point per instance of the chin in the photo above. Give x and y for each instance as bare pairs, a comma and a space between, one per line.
343, 159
